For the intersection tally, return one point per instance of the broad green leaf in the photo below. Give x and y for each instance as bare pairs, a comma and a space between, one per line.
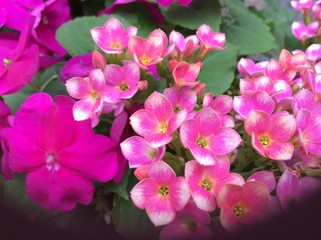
121, 187
197, 13
75, 35
15, 100
246, 30
218, 70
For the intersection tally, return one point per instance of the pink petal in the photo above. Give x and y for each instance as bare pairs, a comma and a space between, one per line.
274, 70
303, 99
222, 104
256, 196
114, 74
159, 140
78, 87
225, 141
97, 80
243, 105
179, 194
282, 127
256, 144
257, 122
130, 31
287, 187
262, 101
246, 67
189, 133
203, 199
231, 178
160, 106
118, 127
313, 52
143, 122
132, 72
83, 109
228, 219
280, 150
160, 211
208, 120
178, 39
229, 195
265, 177
143, 191
162, 173
203, 156
227, 121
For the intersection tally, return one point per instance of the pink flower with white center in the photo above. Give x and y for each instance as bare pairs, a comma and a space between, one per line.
222, 105
185, 74
60, 155
140, 153
209, 39
243, 205
249, 69
243, 105
250, 86
302, 4
207, 140
292, 190
313, 53
157, 122
304, 99
184, 47
122, 82
309, 132
303, 32
184, 100
91, 92
205, 182
189, 223
271, 134
162, 194
149, 51
112, 38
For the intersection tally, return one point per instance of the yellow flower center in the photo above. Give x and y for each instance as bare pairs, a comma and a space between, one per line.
201, 142
144, 61
238, 210
115, 46
163, 191
264, 141
94, 96
6, 61
162, 128
123, 86
207, 185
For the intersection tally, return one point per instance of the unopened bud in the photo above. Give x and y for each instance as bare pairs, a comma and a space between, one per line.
199, 88
172, 64
142, 85
99, 61
141, 172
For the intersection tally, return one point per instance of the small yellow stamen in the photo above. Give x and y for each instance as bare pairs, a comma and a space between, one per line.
162, 129
238, 211
144, 61
115, 46
6, 61
264, 141
153, 154
207, 185
201, 142
163, 191
123, 86
95, 96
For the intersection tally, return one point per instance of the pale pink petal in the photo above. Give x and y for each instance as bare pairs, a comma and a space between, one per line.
143, 122
225, 141
303, 99
130, 31
257, 122
243, 105
176, 120
132, 72
265, 177
313, 52
143, 191
159, 211
255, 140
219, 170
193, 171
287, 187
114, 74
298, 29
203, 155
222, 104
102, 40
208, 120
231, 178
280, 150
179, 194
189, 133
188, 100
78, 88
246, 67
160, 106
274, 70
281, 90
97, 80
314, 148
228, 219
262, 101
83, 109
162, 173
282, 127
178, 39
203, 199
227, 121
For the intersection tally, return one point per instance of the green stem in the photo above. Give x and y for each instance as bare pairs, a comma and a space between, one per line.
47, 82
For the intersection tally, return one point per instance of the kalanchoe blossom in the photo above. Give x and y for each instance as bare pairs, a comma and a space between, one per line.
162, 194
60, 156
243, 205
302, 4
184, 47
189, 223
296, 61
243, 105
185, 74
99, 60
265, 177
91, 92
122, 82
139, 153
313, 53
275, 71
271, 134
112, 38
205, 182
304, 99
303, 32
248, 68
207, 140
250, 86
316, 10
291, 189
149, 51
157, 122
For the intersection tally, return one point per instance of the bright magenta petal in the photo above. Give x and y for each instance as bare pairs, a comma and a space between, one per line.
143, 191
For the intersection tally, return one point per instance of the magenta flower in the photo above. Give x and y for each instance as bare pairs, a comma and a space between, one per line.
189, 223
185, 74
313, 53
243, 205
16, 60
303, 32
162, 194
291, 189
304, 99
295, 62
166, 3
91, 91
140, 153
122, 82
205, 182
112, 38
207, 140
250, 86
77, 66
249, 69
149, 51
157, 122
60, 156
271, 134
184, 47
302, 4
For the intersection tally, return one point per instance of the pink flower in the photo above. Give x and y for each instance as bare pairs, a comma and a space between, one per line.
249, 86
265, 177
291, 189
243, 205
60, 156
304, 99
295, 62
185, 74
207, 140
271, 134
313, 53
112, 37
162, 194
77, 66
157, 122
302, 4
205, 182
122, 82
91, 91
189, 223
184, 47
140, 153
166, 3
149, 51
303, 32
248, 68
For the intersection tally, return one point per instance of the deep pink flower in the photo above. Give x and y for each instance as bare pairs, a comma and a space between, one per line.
157, 122
205, 182
112, 38
207, 140
166, 3
189, 223
303, 32
249, 86
91, 92
313, 53
122, 82
243, 205
185, 74
60, 156
265, 177
184, 47
302, 4
304, 99
248, 68
162, 194
149, 51
271, 134
296, 61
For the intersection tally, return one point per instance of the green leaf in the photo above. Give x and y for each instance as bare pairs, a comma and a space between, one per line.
197, 13
246, 30
218, 70
15, 100
75, 35
132, 222
121, 187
